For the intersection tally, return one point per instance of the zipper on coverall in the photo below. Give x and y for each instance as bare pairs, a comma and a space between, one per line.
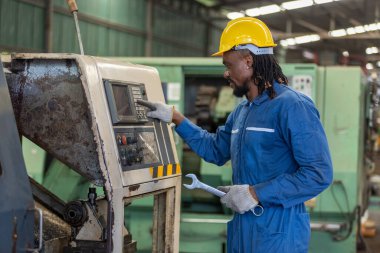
243, 131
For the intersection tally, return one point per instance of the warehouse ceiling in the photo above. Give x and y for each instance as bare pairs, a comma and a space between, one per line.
324, 19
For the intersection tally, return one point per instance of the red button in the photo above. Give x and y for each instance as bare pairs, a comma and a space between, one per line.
124, 139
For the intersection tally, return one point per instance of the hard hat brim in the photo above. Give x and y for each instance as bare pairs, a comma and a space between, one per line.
220, 53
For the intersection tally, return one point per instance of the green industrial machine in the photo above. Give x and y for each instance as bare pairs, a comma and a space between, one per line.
195, 86
341, 100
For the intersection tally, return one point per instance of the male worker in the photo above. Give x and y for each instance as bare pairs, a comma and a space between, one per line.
275, 140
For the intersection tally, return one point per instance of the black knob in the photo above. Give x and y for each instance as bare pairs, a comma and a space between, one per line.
75, 213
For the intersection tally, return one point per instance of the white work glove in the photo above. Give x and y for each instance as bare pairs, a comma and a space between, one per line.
159, 110
238, 198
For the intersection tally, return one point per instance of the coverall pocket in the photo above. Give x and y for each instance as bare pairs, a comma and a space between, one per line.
265, 241
301, 233
262, 138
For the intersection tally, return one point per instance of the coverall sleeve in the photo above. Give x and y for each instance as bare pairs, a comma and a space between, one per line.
303, 133
213, 148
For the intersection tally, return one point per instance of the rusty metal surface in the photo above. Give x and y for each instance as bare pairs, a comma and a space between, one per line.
47, 198
54, 227
52, 110
56, 233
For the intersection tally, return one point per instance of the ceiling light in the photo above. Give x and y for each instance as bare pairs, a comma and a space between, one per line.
359, 29
314, 37
254, 12
322, 1
284, 43
338, 33
355, 30
351, 31
372, 50
345, 53
296, 4
269, 9
370, 27
300, 40
273, 8
369, 66
307, 38
291, 42
234, 15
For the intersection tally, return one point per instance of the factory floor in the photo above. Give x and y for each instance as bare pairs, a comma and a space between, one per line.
373, 243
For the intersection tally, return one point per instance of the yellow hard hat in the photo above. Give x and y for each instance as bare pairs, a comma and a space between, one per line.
245, 30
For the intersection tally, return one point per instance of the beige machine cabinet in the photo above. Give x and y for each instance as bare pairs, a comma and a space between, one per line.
83, 111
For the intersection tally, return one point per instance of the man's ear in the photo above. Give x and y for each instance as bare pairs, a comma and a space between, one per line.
248, 60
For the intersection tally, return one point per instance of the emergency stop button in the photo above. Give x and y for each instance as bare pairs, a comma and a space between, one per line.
124, 139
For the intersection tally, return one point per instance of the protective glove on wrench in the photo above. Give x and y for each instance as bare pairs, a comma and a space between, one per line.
236, 197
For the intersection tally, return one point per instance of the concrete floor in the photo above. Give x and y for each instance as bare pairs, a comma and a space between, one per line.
373, 244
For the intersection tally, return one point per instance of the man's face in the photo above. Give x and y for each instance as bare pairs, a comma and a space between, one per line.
238, 72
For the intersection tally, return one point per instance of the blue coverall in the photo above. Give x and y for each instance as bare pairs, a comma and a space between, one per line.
278, 146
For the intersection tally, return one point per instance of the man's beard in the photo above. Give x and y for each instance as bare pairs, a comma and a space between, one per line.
240, 91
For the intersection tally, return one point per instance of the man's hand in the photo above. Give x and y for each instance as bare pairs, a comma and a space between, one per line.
159, 110
238, 198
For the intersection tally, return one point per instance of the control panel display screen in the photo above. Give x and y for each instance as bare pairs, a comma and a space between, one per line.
121, 96
137, 148
122, 103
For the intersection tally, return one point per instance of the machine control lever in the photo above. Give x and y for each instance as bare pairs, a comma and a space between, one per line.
72, 5
257, 210
74, 10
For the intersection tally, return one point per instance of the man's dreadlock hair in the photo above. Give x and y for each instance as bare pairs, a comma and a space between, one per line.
266, 70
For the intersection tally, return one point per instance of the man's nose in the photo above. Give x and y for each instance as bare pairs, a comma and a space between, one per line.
226, 74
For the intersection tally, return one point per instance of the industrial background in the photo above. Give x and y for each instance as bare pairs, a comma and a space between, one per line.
329, 50
323, 32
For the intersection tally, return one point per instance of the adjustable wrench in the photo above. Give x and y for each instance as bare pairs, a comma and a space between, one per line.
198, 184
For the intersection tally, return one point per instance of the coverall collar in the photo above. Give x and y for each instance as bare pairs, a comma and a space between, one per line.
263, 97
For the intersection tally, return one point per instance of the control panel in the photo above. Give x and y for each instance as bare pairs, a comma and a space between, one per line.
138, 147
141, 142
302, 83
122, 99
138, 93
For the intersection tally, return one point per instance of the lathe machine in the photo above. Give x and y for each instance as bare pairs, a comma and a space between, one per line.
82, 110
